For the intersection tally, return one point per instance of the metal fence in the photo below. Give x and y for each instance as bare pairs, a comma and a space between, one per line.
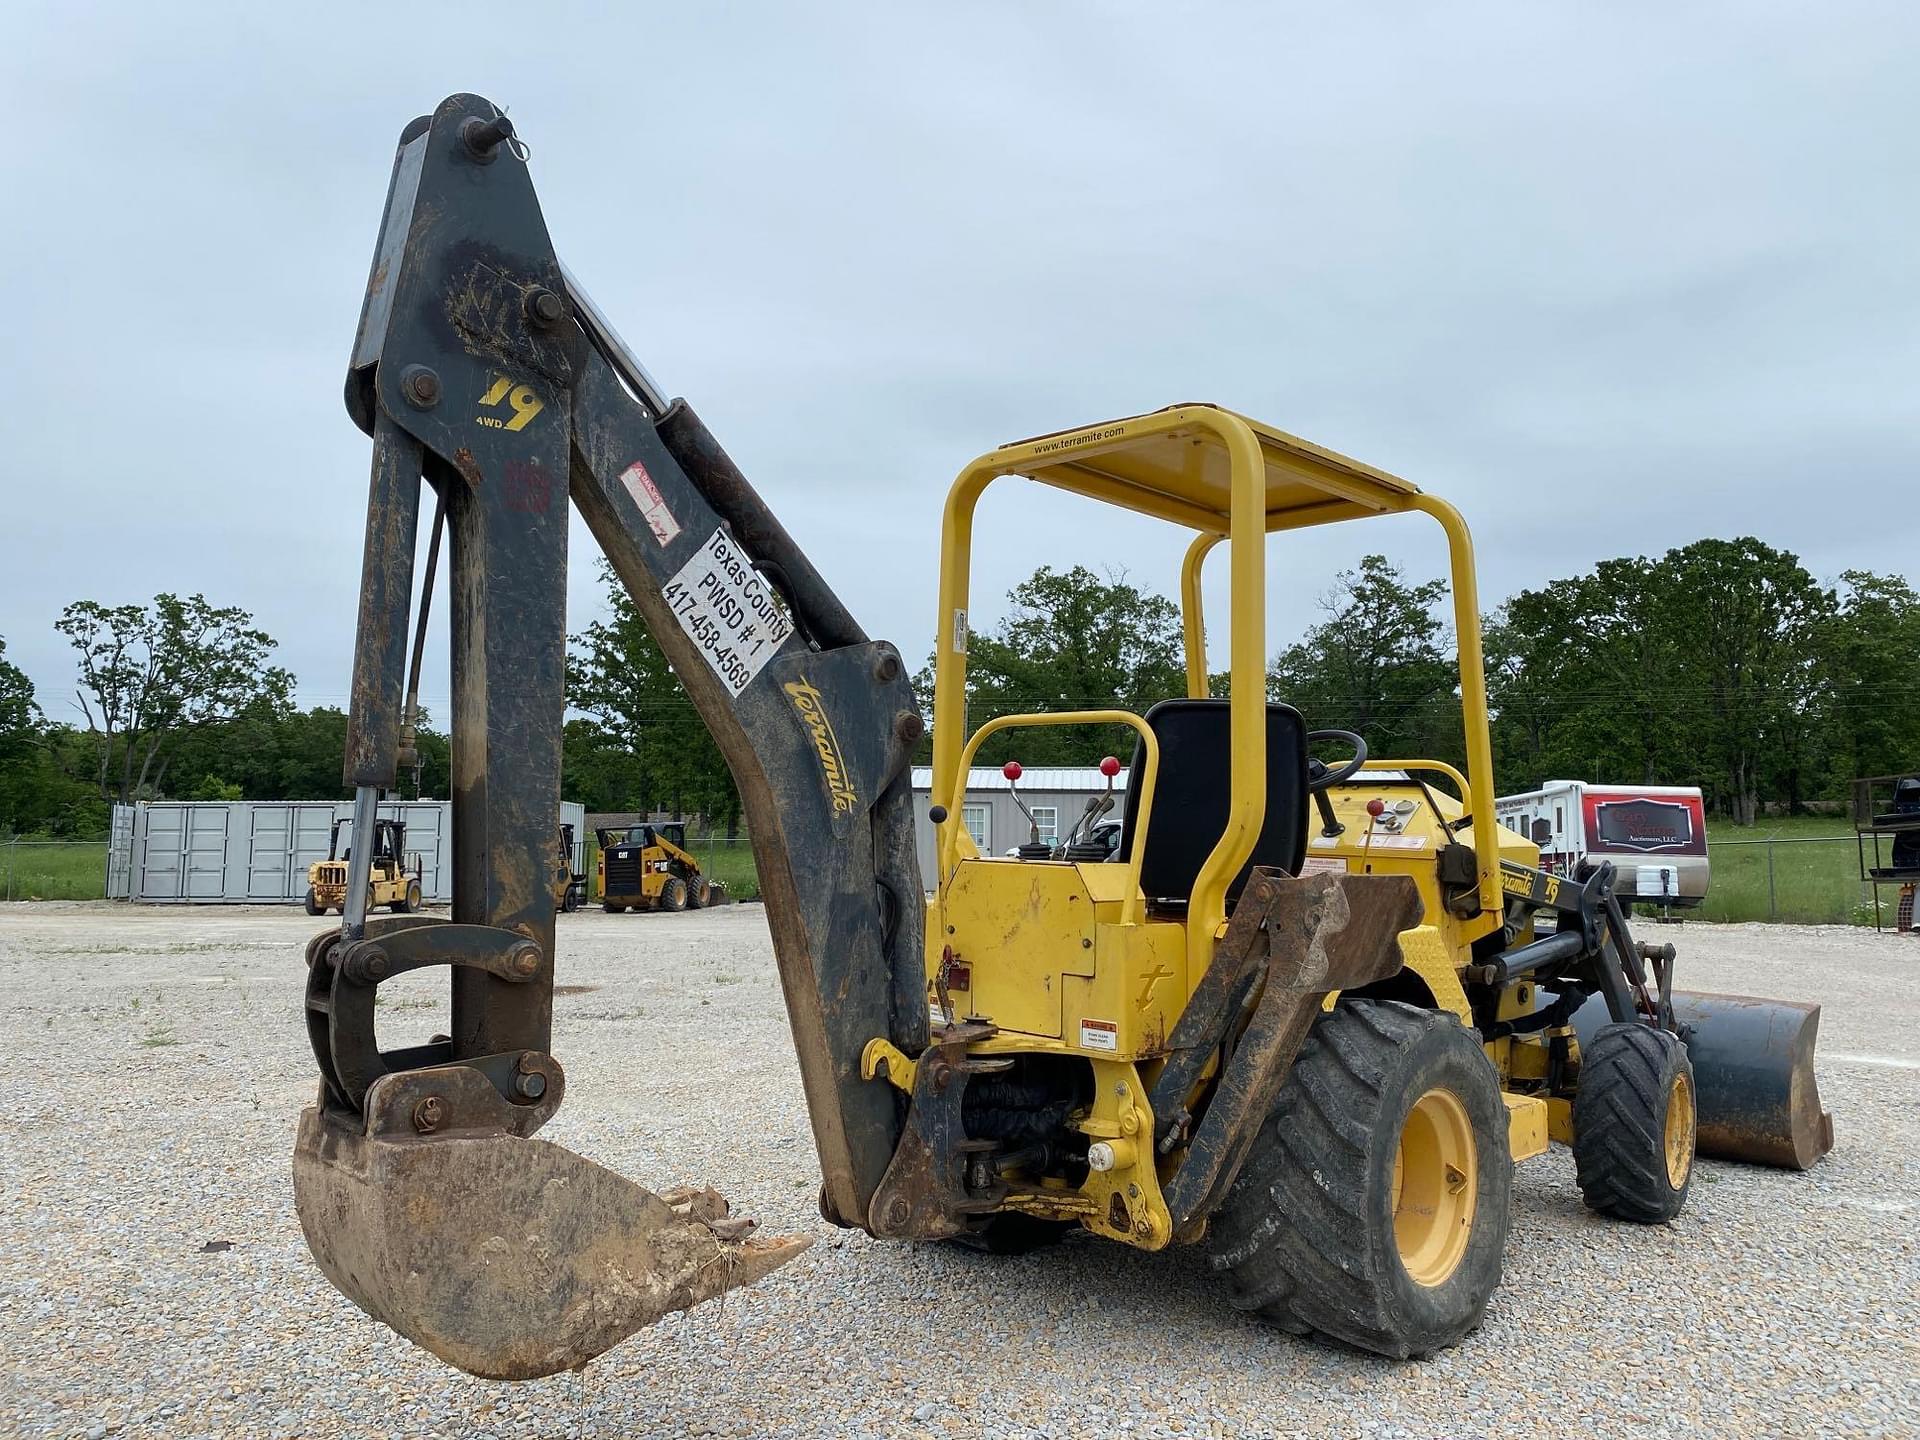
1796, 879
53, 869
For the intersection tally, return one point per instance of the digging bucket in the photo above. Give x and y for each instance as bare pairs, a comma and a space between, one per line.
508, 1256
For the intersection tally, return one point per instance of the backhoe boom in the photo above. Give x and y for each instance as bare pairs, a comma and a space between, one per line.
482, 368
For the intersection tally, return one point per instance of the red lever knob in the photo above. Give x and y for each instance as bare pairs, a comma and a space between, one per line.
1376, 807
1110, 767
1011, 769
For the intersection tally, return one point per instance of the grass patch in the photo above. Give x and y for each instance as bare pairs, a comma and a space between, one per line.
1815, 879
158, 1037
53, 870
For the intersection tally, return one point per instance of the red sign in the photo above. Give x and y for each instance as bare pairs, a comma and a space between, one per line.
1621, 823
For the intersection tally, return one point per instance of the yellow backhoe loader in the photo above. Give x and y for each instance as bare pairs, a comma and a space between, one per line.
1304, 1015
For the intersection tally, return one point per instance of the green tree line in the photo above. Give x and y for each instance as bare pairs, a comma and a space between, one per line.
1722, 664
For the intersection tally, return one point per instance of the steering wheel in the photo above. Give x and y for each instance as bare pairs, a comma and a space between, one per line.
1319, 776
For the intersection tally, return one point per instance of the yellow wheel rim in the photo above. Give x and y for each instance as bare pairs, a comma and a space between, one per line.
1436, 1177
1680, 1126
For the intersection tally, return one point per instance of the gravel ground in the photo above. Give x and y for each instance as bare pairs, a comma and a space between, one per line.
158, 1062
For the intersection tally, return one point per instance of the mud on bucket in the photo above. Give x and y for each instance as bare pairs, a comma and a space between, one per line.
1756, 1093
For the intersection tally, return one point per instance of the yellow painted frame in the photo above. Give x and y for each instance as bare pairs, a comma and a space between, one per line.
1116, 462
1477, 791
1247, 725
954, 841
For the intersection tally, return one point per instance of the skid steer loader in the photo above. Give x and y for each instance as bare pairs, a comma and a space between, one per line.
648, 867
1307, 1015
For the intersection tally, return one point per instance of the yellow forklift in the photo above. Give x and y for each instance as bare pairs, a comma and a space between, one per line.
393, 881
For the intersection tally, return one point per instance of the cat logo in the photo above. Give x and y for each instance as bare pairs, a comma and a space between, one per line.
519, 398
833, 765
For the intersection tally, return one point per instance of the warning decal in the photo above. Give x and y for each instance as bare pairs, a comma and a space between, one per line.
653, 506
1099, 1035
728, 611
1397, 842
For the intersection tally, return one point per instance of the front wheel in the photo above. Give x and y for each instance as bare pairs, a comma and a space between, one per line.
1634, 1123
1374, 1205
314, 907
700, 895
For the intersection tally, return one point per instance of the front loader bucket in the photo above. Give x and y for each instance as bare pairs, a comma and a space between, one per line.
1754, 1085
511, 1258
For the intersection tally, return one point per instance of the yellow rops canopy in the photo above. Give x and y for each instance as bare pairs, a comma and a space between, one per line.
1182, 474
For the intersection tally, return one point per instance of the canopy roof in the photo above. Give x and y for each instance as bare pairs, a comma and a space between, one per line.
1174, 464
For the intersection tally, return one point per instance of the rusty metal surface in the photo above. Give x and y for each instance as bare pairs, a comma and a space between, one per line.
825, 619
386, 594
1755, 1091
924, 1194
1323, 932
510, 1258
832, 825
1240, 958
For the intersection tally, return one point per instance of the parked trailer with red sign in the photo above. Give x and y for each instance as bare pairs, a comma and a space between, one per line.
1655, 835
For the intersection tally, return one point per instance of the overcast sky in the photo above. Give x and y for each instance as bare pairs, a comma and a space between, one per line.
1611, 277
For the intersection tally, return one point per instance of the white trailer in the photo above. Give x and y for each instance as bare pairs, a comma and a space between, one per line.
1655, 835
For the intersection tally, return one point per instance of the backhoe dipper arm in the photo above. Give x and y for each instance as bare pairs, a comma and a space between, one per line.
480, 366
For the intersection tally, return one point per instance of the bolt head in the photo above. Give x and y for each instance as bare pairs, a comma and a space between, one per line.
374, 964
420, 386
526, 960
545, 308
887, 668
428, 1114
909, 727
531, 1086
898, 1212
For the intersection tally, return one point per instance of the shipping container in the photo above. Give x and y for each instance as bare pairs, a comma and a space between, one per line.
256, 852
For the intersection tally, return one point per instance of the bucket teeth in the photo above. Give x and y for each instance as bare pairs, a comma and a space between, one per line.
511, 1258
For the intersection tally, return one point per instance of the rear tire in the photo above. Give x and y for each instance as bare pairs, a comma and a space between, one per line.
1634, 1123
673, 894
314, 907
1373, 1207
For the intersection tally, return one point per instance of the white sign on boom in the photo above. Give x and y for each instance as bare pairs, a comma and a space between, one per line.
729, 611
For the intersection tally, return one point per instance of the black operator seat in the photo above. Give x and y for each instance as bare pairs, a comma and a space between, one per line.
1191, 796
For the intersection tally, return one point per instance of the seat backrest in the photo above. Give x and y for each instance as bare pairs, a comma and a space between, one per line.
1190, 801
